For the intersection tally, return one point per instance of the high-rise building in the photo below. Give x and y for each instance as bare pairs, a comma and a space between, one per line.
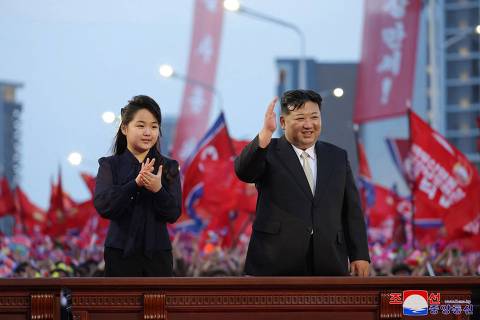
10, 110
459, 74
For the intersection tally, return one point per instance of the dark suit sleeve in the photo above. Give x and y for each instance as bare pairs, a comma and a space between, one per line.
111, 200
167, 201
250, 164
355, 229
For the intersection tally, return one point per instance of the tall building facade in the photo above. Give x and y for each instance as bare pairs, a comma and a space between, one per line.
459, 76
10, 110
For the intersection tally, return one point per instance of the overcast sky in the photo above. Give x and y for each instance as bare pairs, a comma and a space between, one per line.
77, 59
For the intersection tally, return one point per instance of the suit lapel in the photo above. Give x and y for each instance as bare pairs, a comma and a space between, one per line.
290, 160
324, 169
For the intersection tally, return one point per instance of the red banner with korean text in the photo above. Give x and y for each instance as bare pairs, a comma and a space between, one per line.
387, 67
197, 95
446, 185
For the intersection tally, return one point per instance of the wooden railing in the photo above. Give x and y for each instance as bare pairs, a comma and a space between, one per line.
249, 298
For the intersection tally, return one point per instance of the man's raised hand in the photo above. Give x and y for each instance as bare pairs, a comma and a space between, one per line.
269, 125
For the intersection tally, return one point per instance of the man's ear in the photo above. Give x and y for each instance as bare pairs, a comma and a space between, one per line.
282, 121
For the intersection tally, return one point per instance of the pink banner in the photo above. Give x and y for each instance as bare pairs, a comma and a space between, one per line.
197, 96
387, 67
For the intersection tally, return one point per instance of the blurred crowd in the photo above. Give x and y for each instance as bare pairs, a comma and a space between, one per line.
26, 257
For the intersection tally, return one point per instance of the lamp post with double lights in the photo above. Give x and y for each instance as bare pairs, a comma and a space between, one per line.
235, 6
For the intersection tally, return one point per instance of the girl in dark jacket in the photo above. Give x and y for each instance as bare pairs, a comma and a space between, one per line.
138, 190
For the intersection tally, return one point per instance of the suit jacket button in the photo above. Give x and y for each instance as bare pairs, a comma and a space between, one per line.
131, 198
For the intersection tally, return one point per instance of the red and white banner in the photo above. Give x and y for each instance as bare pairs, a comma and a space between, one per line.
197, 96
387, 67
446, 184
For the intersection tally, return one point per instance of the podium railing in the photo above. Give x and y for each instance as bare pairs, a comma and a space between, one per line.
250, 298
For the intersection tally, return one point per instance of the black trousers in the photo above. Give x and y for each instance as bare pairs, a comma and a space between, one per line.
137, 264
309, 267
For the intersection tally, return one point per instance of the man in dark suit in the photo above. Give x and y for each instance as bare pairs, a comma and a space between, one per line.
308, 221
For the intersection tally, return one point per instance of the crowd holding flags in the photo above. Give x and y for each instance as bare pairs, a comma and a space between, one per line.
443, 210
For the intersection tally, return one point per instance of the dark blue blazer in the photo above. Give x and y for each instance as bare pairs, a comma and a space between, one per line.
138, 217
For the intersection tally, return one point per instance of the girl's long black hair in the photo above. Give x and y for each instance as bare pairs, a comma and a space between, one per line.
127, 114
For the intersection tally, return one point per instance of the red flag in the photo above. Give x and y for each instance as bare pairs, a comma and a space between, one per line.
29, 218
366, 187
428, 229
363, 167
197, 96
214, 150
446, 184
215, 200
63, 213
247, 199
470, 244
221, 187
387, 65
56, 210
381, 214
89, 181
100, 223
7, 203
400, 151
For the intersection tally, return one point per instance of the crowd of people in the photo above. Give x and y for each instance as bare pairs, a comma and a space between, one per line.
26, 257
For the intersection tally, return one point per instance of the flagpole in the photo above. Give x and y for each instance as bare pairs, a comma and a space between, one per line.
356, 134
411, 179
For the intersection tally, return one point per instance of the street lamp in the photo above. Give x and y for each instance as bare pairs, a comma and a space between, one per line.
167, 71
75, 158
108, 117
234, 6
336, 92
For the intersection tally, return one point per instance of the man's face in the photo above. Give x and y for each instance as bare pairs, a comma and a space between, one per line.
303, 125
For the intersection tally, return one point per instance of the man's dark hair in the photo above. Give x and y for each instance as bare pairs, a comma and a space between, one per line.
294, 99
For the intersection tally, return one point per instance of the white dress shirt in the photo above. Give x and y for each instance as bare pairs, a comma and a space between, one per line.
312, 160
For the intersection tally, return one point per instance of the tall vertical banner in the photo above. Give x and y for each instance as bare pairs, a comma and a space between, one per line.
197, 98
387, 67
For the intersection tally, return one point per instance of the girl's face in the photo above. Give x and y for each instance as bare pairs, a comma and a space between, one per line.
142, 132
